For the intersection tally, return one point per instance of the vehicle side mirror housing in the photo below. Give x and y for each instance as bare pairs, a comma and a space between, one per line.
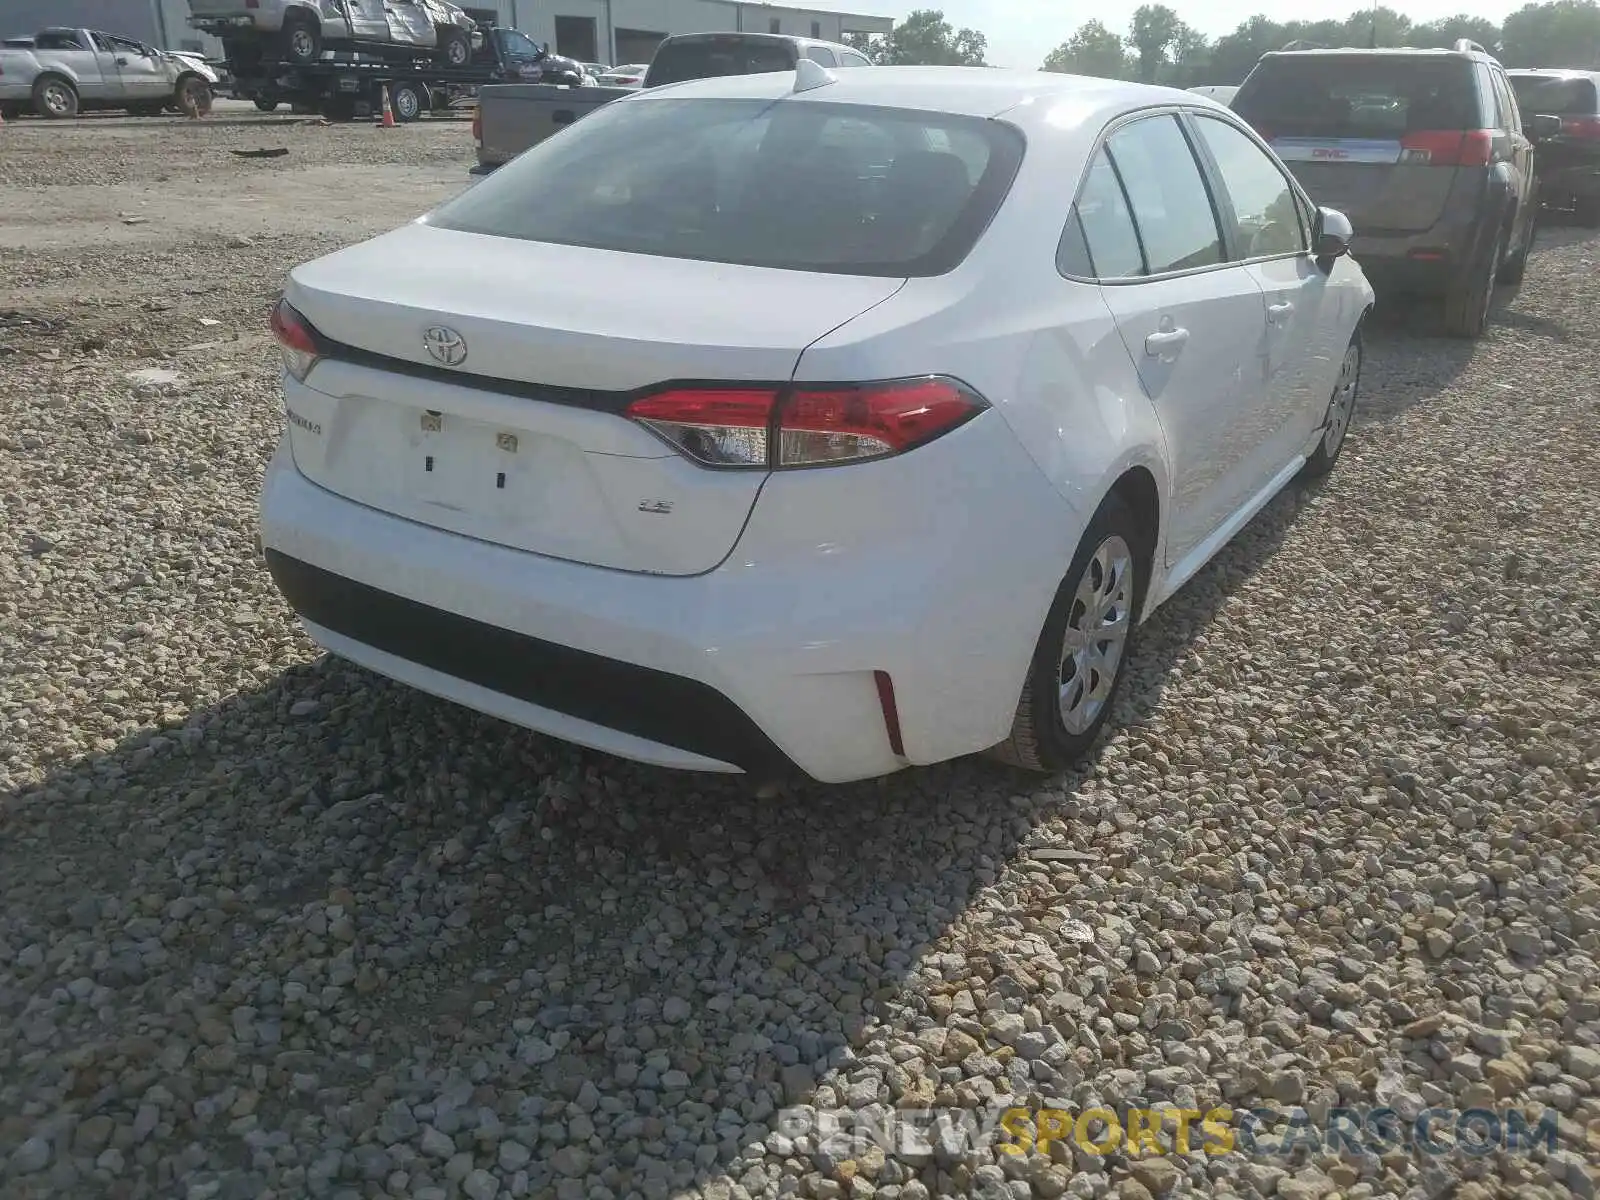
1543, 125
1331, 238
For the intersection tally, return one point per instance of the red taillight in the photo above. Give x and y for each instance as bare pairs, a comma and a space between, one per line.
806, 425
477, 125
1448, 148
296, 339
1583, 127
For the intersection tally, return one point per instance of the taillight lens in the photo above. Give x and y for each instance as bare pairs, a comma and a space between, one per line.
806, 425
296, 338
1448, 147
1584, 127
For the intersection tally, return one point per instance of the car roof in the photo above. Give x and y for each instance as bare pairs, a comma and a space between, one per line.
961, 91
1381, 52
1554, 72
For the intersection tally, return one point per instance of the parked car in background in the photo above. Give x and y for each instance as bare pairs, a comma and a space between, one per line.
298, 30
629, 75
61, 72
1426, 152
1568, 154
1222, 93
802, 420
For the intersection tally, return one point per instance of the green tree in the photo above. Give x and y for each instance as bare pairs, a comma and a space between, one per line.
1446, 31
1154, 28
925, 38
1191, 57
1564, 33
1092, 50
1375, 27
870, 44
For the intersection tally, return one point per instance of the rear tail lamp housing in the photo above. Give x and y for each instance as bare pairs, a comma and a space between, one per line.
1448, 147
300, 343
805, 424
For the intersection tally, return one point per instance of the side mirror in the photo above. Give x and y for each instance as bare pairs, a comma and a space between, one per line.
1541, 126
1332, 236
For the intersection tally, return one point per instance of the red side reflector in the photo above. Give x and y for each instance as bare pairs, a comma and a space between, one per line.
891, 711
1448, 147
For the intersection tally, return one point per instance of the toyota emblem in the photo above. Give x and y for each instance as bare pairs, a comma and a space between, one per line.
445, 345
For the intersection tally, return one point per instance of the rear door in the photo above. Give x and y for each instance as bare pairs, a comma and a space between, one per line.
1365, 133
369, 19
1192, 323
94, 66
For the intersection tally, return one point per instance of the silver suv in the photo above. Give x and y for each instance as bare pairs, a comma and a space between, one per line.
301, 28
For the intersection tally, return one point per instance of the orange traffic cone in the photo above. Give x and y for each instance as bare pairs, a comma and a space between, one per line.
388, 121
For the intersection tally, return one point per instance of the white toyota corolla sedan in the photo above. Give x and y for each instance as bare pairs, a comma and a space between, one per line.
797, 420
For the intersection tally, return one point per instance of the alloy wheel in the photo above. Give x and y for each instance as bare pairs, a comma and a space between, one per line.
1096, 635
1343, 405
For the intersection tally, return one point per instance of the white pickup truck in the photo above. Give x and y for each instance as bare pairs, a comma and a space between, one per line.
59, 73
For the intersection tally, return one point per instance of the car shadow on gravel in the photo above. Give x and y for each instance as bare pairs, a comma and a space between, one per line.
340, 894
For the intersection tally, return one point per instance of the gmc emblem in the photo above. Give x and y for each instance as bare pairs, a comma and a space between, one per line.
1329, 152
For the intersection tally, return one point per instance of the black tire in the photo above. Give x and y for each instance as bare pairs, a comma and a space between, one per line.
193, 89
339, 108
1515, 267
1466, 306
10, 112
454, 47
302, 41
408, 101
1040, 737
1341, 411
1586, 210
266, 105
54, 98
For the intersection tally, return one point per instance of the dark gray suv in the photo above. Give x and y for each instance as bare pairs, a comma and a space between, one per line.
1424, 150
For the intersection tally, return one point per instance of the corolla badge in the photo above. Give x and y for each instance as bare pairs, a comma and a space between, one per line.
445, 345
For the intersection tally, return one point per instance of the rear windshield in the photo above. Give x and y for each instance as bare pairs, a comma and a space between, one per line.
708, 58
802, 185
1355, 97
1555, 95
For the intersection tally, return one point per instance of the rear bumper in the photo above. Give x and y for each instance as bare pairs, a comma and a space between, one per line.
767, 662
1570, 183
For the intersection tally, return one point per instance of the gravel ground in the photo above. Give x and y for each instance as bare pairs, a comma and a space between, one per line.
271, 926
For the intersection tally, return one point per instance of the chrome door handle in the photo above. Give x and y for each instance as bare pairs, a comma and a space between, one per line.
1159, 345
1276, 311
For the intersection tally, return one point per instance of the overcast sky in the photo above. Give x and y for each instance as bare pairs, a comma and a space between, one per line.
1022, 32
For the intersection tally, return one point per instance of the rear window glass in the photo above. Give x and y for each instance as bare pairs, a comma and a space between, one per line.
1340, 97
810, 186
1550, 94
708, 58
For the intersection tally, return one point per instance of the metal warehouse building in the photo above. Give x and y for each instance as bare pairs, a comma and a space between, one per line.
608, 31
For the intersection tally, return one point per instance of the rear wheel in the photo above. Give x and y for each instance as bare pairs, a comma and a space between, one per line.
454, 48
1341, 408
302, 41
408, 100
266, 104
1466, 306
54, 98
1083, 651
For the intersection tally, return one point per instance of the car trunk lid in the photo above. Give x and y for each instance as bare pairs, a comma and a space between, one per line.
477, 384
